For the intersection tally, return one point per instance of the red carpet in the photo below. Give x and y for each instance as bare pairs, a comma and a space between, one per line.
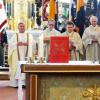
8, 93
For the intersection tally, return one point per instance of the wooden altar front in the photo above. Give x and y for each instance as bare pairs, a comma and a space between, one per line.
76, 75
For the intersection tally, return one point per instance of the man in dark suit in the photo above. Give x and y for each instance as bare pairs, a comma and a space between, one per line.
3, 43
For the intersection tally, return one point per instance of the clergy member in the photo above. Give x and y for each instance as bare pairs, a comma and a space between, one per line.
75, 42
91, 40
43, 50
20, 46
3, 44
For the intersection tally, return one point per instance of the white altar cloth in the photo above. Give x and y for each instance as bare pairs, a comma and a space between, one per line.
70, 63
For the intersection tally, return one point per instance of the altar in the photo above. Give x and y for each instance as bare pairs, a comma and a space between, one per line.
53, 81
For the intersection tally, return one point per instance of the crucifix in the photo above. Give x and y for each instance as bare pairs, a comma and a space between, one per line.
93, 93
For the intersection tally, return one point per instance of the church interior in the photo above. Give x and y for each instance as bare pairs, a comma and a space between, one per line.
69, 80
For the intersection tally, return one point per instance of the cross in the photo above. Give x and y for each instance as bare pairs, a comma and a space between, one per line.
93, 93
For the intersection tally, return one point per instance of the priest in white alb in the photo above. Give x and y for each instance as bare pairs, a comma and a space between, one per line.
44, 39
75, 42
91, 40
21, 45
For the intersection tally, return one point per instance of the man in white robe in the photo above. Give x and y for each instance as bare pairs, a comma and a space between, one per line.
75, 42
44, 39
21, 45
91, 40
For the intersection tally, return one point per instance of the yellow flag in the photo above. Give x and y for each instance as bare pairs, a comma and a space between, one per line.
52, 9
80, 3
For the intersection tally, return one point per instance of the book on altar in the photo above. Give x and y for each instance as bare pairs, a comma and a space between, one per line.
59, 49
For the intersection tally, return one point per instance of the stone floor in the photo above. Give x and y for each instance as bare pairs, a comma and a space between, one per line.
7, 92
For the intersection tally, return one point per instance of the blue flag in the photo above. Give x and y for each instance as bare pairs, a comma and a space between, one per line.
80, 18
98, 13
73, 11
91, 9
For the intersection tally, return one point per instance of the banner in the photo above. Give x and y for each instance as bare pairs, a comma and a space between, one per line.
73, 11
52, 9
44, 10
3, 17
80, 17
91, 9
98, 13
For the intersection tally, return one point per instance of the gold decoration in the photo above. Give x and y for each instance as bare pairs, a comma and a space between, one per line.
41, 60
28, 59
93, 93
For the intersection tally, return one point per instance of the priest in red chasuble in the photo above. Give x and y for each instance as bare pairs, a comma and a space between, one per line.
75, 42
21, 45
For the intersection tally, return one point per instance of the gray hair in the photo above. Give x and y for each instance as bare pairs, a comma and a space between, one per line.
93, 17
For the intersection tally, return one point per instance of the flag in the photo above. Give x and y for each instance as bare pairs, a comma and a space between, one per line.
3, 17
44, 10
95, 4
91, 9
38, 12
73, 11
80, 17
52, 9
98, 13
